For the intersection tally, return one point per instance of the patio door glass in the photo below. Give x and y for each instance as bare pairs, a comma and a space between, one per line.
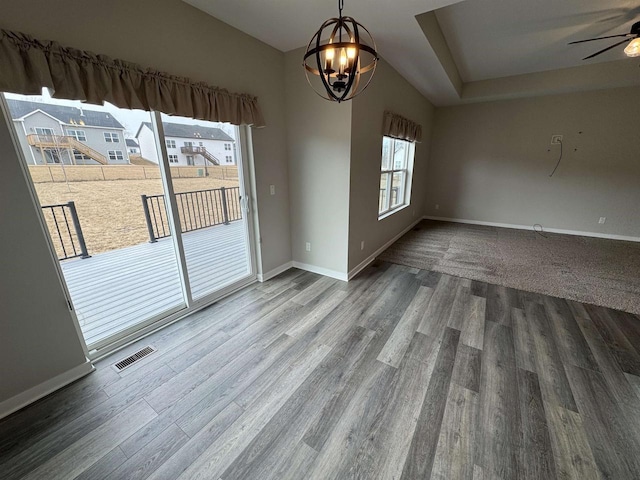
211, 203
95, 198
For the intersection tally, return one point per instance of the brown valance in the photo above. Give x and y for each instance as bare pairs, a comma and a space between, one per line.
397, 126
27, 65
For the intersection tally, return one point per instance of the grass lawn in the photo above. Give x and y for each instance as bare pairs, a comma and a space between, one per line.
110, 212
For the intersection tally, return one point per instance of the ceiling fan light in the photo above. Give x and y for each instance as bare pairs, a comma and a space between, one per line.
633, 49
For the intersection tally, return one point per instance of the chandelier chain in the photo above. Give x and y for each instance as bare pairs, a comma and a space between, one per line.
340, 6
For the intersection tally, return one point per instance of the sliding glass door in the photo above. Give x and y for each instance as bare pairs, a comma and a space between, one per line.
147, 217
205, 163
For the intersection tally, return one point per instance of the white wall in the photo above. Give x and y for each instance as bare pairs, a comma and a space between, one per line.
491, 162
38, 340
319, 144
388, 91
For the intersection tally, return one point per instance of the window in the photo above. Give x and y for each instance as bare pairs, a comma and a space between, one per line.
44, 131
80, 157
395, 174
171, 143
190, 160
111, 137
173, 158
229, 158
133, 150
227, 146
188, 144
79, 135
52, 156
115, 155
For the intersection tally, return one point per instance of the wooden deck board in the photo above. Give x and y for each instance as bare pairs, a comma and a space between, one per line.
115, 290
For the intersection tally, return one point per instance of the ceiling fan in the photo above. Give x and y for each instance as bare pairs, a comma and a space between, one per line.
631, 50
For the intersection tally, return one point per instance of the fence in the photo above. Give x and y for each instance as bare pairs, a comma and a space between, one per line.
68, 239
197, 209
86, 173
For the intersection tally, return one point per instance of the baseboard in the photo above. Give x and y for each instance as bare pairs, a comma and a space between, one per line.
322, 271
530, 227
362, 265
263, 277
27, 397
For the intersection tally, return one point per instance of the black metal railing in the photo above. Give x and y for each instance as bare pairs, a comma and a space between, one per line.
197, 209
66, 232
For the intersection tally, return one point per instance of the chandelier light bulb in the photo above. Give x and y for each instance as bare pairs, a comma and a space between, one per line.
633, 49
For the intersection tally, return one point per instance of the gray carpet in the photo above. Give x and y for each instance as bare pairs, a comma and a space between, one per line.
589, 270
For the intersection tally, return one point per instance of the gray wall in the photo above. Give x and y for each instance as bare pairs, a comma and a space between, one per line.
319, 143
388, 91
38, 338
491, 162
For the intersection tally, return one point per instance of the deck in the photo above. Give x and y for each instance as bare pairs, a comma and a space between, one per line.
116, 290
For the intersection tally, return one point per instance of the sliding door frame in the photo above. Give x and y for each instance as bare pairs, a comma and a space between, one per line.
174, 314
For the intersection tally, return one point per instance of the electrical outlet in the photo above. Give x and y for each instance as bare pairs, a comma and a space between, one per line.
362, 245
602, 220
437, 207
308, 246
272, 189
556, 139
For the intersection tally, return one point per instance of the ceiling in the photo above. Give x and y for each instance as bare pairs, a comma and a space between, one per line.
486, 39
493, 38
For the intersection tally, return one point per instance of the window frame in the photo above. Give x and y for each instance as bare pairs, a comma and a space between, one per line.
117, 155
170, 143
111, 137
407, 171
79, 135
173, 158
48, 129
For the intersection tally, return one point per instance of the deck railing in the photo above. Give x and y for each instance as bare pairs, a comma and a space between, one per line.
197, 209
66, 232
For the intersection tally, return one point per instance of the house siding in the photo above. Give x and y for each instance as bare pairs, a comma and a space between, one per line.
95, 140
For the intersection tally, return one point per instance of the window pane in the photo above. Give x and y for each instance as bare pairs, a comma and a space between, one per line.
397, 190
387, 145
399, 155
383, 203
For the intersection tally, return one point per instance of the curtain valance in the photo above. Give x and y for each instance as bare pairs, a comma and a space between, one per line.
397, 126
27, 65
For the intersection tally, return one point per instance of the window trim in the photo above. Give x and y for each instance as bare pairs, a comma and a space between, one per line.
173, 158
111, 137
76, 133
115, 155
35, 129
408, 177
170, 143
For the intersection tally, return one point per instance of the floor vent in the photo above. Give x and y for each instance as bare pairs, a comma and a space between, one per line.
139, 355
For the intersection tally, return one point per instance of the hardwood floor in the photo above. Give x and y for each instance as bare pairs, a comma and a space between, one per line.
399, 374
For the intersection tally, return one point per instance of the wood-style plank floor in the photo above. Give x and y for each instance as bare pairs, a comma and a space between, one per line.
399, 374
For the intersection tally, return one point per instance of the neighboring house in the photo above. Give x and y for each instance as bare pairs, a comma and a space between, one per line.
54, 134
132, 146
189, 145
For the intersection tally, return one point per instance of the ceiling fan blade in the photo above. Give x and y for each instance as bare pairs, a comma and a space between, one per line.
600, 38
608, 48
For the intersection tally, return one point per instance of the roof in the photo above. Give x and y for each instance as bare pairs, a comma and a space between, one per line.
190, 131
131, 143
67, 115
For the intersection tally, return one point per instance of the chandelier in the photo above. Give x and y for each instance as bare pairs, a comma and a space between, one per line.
338, 56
